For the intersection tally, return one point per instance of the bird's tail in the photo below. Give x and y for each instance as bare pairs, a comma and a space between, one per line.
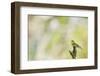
71, 54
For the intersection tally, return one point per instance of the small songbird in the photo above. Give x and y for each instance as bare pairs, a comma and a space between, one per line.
74, 52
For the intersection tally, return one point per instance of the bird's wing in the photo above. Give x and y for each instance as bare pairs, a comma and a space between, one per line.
78, 46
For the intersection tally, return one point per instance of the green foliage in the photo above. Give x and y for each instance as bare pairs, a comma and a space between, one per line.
63, 20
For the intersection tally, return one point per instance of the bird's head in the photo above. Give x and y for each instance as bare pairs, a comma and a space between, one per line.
72, 41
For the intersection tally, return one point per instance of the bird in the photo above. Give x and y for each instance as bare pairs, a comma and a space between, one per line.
74, 51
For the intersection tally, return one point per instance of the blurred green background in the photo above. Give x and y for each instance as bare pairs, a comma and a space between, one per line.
50, 37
